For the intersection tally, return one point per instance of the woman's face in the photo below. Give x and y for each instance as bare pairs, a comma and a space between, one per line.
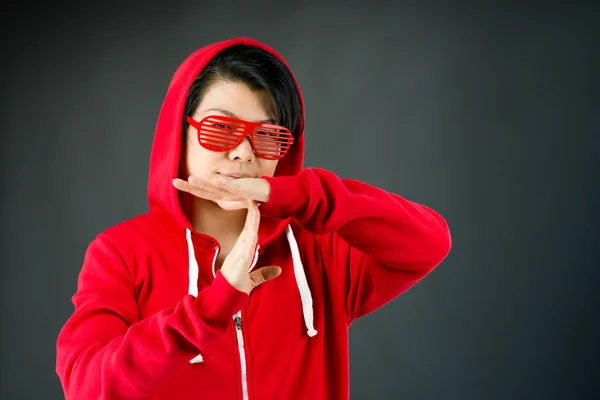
233, 99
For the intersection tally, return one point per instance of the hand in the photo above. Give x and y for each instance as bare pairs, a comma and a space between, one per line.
232, 195
237, 263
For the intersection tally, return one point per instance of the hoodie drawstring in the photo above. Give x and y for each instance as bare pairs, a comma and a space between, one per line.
193, 265
305, 294
193, 278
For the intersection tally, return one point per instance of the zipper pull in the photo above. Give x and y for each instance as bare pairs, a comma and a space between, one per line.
238, 322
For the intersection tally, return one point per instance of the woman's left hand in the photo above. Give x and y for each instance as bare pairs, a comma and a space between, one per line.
232, 195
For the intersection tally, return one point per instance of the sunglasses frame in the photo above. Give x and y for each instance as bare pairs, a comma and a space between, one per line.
250, 129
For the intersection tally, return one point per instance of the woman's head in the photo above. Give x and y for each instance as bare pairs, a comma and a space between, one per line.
247, 83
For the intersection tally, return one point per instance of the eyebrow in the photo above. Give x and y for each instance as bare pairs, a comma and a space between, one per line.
232, 115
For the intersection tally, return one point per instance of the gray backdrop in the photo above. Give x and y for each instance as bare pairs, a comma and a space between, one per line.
487, 114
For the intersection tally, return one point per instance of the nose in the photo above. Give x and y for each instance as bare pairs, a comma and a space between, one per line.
243, 152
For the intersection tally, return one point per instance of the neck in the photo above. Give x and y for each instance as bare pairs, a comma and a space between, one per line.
210, 219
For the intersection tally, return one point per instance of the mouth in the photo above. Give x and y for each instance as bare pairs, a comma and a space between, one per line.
235, 175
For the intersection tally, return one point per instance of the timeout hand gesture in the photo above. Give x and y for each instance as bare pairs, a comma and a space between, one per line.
229, 195
237, 263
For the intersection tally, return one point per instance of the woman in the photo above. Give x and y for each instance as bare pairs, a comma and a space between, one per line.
243, 278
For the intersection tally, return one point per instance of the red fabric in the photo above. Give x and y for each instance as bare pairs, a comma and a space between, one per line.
135, 328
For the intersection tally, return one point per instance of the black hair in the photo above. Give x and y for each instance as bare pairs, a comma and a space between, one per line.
258, 69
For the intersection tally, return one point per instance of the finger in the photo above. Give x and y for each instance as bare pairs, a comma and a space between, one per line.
184, 186
245, 246
257, 189
249, 188
206, 185
249, 235
263, 275
252, 218
240, 258
232, 187
232, 205
244, 250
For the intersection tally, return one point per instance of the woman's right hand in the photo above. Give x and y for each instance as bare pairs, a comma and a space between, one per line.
237, 263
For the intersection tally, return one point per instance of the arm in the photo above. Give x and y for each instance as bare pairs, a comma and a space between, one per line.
104, 351
382, 243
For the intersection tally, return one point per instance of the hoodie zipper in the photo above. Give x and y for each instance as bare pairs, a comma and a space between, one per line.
237, 319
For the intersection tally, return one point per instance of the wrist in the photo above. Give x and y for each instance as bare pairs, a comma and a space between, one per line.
286, 195
235, 282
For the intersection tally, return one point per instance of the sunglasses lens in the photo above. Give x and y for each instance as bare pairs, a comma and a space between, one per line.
272, 143
220, 135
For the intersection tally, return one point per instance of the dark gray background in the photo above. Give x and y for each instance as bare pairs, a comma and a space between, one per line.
487, 114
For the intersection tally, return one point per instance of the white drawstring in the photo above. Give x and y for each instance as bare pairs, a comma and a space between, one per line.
305, 294
193, 278
192, 265
255, 258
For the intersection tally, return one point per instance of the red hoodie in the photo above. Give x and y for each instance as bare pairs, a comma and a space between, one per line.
152, 320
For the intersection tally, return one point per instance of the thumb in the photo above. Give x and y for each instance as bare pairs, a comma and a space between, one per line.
264, 274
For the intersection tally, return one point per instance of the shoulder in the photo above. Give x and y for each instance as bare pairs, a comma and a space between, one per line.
122, 230
129, 235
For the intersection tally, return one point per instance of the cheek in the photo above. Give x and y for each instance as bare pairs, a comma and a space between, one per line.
198, 160
267, 167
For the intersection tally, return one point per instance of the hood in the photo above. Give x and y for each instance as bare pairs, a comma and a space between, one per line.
167, 144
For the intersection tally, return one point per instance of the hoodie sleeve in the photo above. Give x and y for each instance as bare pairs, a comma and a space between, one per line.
104, 351
381, 243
